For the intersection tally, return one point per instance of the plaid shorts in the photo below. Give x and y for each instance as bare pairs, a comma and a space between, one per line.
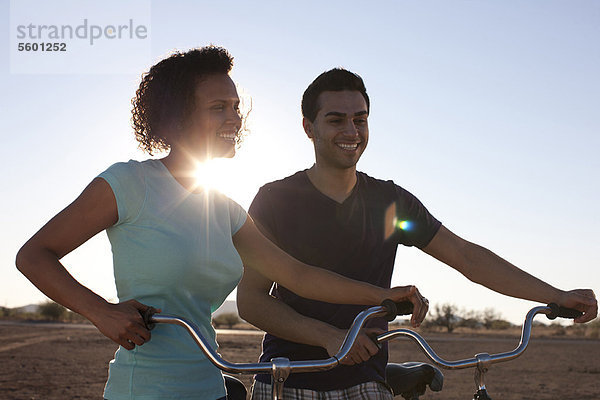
364, 391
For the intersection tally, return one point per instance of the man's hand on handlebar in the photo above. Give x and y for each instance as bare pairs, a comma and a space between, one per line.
583, 300
420, 303
363, 349
123, 323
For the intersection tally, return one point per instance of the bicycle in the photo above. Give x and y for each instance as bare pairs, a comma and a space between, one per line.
408, 379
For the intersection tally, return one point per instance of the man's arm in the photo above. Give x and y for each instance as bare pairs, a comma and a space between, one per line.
482, 266
272, 315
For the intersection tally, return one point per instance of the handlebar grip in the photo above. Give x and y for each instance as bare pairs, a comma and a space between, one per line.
147, 316
562, 312
405, 308
395, 309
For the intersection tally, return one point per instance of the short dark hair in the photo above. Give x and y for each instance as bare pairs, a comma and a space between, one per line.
334, 80
166, 96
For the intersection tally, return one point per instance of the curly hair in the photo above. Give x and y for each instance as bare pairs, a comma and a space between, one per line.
334, 80
166, 96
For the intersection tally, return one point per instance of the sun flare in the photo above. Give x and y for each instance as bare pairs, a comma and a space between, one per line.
212, 175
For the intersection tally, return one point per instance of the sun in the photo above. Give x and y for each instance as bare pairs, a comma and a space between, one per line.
213, 174
258, 161
204, 177
227, 176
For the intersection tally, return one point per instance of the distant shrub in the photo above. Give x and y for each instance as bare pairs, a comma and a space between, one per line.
446, 316
579, 330
228, 319
471, 323
500, 324
593, 329
51, 310
469, 319
490, 317
558, 329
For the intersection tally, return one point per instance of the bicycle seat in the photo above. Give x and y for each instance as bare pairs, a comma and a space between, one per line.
235, 388
411, 378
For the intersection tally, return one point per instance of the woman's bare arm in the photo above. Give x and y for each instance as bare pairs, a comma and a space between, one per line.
39, 260
260, 254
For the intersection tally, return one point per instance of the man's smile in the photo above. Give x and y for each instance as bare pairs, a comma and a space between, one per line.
348, 146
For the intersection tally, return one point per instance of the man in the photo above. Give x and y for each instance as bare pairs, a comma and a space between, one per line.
337, 218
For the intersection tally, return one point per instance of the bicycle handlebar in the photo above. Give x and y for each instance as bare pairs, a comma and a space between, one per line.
396, 309
552, 311
388, 310
562, 312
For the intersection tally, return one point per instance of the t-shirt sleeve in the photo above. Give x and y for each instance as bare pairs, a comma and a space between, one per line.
414, 225
128, 185
262, 213
237, 216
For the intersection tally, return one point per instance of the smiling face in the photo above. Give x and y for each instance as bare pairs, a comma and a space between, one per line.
340, 131
214, 124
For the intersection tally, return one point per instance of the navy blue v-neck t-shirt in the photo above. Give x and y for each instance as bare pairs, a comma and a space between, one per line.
357, 238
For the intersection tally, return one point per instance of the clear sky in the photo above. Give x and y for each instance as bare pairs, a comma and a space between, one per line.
482, 109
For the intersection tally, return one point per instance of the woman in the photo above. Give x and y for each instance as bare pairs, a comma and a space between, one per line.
175, 246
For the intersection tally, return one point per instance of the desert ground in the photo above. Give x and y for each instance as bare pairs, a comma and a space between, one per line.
66, 361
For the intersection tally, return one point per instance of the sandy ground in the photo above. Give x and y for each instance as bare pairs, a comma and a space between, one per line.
53, 361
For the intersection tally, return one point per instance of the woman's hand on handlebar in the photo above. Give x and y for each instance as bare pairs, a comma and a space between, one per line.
412, 294
583, 300
364, 347
123, 323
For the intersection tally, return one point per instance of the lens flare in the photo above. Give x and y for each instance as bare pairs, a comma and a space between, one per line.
206, 175
218, 175
404, 225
